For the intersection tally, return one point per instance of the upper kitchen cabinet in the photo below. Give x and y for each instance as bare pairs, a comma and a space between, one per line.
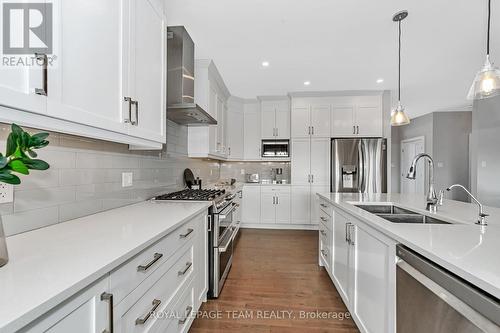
354, 116
235, 128
211, 94
252, 134
310, 118
275, 117
80, 88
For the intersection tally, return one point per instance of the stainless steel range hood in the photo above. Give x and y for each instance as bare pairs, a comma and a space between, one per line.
182, 108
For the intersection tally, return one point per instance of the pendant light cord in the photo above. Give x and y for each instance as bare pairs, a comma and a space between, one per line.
399, 63
489, 28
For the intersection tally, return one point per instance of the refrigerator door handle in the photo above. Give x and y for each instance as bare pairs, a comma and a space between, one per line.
361, 167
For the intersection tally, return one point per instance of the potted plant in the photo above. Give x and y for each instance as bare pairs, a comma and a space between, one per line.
19, 158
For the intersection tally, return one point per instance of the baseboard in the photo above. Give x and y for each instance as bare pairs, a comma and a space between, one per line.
280, 226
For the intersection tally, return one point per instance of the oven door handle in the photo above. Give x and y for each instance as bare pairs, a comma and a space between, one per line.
223, 248
223, 215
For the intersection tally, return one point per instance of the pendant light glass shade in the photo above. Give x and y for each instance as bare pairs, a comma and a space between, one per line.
486, 83
399, 117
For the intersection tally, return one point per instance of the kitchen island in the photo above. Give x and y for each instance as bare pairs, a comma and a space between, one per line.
358, 249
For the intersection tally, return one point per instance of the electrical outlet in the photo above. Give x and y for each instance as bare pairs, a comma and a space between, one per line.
6, 193
127, 179
242, 171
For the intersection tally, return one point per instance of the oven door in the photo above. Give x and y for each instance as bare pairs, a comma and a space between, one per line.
223, 259
223, 223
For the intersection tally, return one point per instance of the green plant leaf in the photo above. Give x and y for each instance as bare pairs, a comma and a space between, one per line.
36, 164
3, 161
9, 178
17, 130
19, 166
11, 144
32, 153
41, 145
40, 136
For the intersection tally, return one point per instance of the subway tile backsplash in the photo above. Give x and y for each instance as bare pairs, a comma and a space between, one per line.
85, 178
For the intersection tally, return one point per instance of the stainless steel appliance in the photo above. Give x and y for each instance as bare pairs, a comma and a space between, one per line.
275, 148
223, 230
432, 300
181, 106
359, 165
252, 178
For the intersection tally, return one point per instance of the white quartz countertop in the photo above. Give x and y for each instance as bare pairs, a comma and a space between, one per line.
51, 264
464, 248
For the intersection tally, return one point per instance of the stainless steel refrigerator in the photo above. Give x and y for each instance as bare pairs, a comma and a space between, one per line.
359, 165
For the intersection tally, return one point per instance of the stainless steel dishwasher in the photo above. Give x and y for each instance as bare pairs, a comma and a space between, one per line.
431, 299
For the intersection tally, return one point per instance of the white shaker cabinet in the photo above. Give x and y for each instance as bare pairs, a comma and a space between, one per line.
251, 204
87, 312
275, 204
275, 122
252, 131
301, 161
342, 255
311, 120
300, 204
354, 116
85, 86
311, 161
235, 129
267, 206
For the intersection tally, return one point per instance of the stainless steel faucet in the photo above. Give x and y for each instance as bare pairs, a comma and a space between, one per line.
481, 220
432, 199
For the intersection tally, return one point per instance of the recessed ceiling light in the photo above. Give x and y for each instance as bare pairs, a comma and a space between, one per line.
265, 64
380, 81
306, 83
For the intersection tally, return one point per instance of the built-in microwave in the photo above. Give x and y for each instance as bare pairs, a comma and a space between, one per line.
275, 148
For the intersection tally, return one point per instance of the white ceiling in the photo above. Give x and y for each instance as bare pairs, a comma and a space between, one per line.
343, 45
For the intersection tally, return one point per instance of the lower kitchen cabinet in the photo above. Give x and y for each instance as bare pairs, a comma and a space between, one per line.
275, 205
251, 204
157, 290
304, 203
363, 271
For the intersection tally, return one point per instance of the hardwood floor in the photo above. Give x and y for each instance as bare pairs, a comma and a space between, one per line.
274, 282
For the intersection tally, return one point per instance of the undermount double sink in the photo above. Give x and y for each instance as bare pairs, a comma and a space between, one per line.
396, 214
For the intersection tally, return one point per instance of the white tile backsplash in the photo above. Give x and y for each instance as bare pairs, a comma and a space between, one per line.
85, 178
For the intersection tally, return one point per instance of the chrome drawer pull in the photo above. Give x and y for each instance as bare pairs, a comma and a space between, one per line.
44, 90
141, 321
188, 266
143, 268
188, 313
323, 232
323, 205
109, 298
189, 231
323, 219
323, 252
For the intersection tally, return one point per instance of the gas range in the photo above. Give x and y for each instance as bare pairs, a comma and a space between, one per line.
219, 198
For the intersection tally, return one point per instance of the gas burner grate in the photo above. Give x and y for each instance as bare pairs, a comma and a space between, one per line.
193, 195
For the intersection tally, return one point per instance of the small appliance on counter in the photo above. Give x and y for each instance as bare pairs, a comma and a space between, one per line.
252, 178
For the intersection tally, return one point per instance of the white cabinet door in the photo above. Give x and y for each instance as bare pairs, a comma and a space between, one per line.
342, 120
252, 145
147, 70
283, 120
320, 161
300, 118
212, 107
220, 125
300, 160
300, 205
201, 261
315, 202
320, 121
235, 133
283, 201
268, 114
251, 204
84, 313
369, 119
374, 276
268, 206
85, 86
341, 253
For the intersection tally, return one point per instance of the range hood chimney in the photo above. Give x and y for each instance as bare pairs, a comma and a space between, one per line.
181, 106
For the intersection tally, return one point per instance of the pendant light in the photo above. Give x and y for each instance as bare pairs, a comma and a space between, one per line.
398, 116
487, 82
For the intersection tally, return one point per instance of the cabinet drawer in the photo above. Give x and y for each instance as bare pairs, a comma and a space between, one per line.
324, 252
325, 219
184, 312
326, 207
159, 298
128, 276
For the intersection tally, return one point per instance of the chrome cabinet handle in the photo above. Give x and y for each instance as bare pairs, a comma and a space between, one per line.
346, 231
323, 219
357, 129
324, 253
189, 231
323, 205
274, 200
277, 200
308, 178
143, 268
183, 271
109, 298
188, 312
44, 90
312, 127
351, 240
353, 129
141, 321
323, 232
136, 120
129, 119
209, 220
312, 178
309, 130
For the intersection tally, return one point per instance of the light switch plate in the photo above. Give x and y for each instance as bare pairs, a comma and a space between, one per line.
6, 193
127, 179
